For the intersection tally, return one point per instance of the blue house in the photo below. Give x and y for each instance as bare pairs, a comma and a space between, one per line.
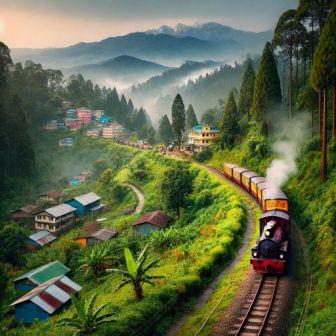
86, 204
44, 300
71, 113
104, 119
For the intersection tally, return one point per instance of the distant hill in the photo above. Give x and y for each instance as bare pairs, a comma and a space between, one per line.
161, 48
216, 32
162, 84
125, 69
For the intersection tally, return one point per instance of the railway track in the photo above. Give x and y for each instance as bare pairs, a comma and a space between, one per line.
259, 311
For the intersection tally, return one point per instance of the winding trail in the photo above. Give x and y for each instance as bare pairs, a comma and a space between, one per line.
140, 196
209, 290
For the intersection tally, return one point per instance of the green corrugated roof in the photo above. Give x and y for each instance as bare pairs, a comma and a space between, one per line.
45, 272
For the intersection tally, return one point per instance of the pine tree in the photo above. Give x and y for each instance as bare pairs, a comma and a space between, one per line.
286, 35
247, 91
229, 123
178, 118
140, 119
165, 130
323, 75
191, 119
267, 90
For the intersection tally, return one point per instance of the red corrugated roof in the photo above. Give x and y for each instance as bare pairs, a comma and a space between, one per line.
157, 218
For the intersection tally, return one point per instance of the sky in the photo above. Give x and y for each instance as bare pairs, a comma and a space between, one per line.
58, 23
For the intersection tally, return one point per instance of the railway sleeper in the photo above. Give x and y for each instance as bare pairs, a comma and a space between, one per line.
256, 313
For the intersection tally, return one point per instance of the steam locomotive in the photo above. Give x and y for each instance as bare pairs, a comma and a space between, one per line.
270, 253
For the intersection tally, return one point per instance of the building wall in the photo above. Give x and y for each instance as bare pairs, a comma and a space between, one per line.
80, 208
146, 228
28, 312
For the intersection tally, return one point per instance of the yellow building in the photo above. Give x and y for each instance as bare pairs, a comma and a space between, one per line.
202, 137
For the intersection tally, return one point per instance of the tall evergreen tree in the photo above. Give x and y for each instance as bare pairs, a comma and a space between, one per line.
165, 130
323, 75
140, 119
229, 123
178, 118
191, 119
285, 36
247, 91
267, 90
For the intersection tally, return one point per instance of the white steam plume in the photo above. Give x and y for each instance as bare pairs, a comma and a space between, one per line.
288, 140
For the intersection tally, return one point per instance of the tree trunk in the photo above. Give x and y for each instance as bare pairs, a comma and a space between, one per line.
312, 114
319, 116
283, 80
304, 71
138, 292
324, 136
290, 88
334, 115
297, 76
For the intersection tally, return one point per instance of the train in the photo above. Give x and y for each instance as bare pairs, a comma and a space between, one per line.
270, 253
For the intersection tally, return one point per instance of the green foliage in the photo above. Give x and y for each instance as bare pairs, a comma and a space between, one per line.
137, 272
165, 130
95, 260
211, 117
247, 91
178, 118
204, 155
13, 242
323, 75
229, 123
191, 120
87, 319
119, 192
267, 90
176, 185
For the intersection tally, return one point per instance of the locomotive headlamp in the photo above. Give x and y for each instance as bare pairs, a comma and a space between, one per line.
267, 233
281, 256
255, 254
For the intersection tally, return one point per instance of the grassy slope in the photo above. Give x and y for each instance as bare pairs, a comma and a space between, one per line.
207, 234
313, 207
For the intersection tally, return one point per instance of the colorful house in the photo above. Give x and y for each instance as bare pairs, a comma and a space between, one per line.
55, 219
45, 300
25, 214
84, 115
39, 239
95, 132
92, 237
36, 277
71, 113
98, 113
86, 204
202, 137
152, 221
68, 142
104, 119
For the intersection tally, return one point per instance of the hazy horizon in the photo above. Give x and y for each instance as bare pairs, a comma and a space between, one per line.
47, 24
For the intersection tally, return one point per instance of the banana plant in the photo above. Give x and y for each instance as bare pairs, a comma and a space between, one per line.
136, 273
86, 319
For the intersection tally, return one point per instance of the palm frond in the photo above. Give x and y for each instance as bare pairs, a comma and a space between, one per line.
90, 305
152, 264
150, 282
122, 284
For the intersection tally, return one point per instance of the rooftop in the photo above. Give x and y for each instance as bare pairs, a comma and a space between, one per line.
86, 199
59, 210
52, 294
157, 218
104, 234
43, 237
45, 272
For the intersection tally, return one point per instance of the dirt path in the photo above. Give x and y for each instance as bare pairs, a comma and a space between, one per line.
175, 328
140, 196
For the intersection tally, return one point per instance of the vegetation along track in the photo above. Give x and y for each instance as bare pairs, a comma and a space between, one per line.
257, 312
